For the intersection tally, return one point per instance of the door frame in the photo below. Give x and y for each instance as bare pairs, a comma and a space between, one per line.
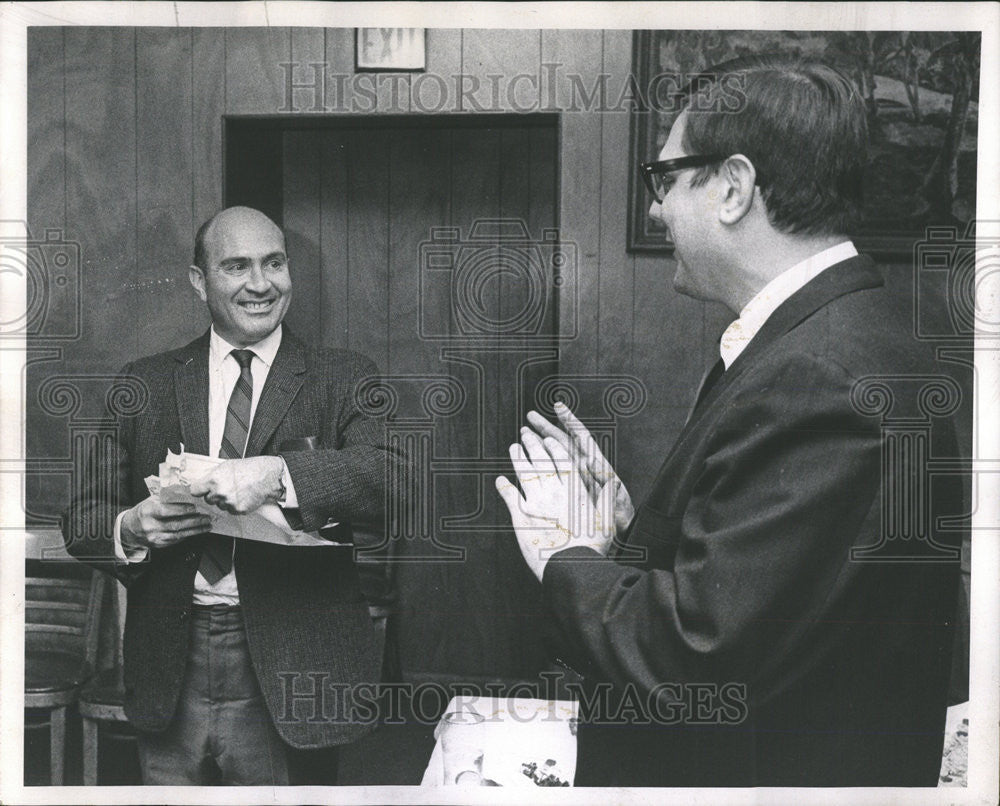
256, 141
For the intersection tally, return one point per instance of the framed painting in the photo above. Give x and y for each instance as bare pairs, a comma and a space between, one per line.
921, 91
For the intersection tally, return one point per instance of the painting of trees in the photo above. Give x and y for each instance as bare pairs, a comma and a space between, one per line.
920, 89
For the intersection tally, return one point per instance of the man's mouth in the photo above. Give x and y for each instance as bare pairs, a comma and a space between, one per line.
256, 306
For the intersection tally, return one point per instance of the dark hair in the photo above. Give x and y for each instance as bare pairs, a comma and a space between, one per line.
801, 124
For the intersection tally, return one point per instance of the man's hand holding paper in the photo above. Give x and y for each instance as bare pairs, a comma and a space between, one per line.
154, 523
235, 496
240, 486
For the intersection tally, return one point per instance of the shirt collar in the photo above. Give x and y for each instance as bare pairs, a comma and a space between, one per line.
757, 311
265, 349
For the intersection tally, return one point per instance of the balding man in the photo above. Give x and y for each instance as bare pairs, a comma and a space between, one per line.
224, 636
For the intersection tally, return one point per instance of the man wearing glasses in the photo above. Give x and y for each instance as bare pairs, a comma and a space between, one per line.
232, 647
747, 624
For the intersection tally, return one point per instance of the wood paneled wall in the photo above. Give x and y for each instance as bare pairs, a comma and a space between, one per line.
125, 155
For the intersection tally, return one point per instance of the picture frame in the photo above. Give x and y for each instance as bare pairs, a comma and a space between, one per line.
921, 90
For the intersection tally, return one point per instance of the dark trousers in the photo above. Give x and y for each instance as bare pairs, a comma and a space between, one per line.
222, 732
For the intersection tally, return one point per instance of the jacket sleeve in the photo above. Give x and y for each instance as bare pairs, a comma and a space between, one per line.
790, 473
348, 482
101, 488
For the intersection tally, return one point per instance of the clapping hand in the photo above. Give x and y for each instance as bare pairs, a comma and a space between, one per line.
556, 510
595, 470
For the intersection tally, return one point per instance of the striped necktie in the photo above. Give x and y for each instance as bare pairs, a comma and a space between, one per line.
217, 557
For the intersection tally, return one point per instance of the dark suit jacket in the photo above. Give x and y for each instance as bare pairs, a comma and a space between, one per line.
746, 576
307, 623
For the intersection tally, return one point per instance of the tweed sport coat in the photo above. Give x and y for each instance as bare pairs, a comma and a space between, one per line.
780, 659
307, 622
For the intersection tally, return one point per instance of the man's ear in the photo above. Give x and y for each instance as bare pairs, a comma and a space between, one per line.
740, 179
197, 278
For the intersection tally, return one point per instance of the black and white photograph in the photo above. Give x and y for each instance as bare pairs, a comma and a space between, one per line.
590, 397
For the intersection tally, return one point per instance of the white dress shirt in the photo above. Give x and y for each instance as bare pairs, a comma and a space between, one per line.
223, 372
758, 310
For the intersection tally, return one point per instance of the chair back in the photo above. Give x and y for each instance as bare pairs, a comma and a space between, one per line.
62, 613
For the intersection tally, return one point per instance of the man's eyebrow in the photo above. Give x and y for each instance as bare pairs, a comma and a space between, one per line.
231, 260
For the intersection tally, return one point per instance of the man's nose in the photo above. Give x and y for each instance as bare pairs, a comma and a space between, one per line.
257, 281
656, 214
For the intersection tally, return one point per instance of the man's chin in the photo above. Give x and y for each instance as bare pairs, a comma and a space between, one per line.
253, 330
261, 323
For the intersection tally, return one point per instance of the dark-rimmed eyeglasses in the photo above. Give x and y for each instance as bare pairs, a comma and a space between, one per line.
656, 175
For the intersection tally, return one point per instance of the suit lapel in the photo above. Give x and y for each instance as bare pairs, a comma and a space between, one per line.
284, 380
854, 274
842, 278
191, 388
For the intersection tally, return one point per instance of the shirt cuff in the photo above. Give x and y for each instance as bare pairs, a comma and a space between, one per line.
136, 555
290, 501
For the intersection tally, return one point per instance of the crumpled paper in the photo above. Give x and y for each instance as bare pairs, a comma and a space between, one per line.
267, 524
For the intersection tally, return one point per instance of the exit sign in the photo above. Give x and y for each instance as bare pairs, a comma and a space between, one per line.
391, 49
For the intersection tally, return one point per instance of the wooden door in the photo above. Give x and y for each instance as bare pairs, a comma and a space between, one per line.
427, 246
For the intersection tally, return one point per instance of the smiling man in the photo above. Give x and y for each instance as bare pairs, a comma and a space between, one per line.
221, 633
758, 619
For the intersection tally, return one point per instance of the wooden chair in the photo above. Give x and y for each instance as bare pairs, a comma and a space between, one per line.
102, 698
62, 616
380, 614
378, 586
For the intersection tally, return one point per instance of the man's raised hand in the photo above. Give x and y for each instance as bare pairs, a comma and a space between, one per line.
556, 510
594, 468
